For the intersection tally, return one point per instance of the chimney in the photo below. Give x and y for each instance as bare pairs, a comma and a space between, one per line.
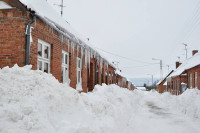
178, 64
194, 52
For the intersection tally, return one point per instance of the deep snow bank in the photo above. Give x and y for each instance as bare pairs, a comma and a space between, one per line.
32, 101
35, 102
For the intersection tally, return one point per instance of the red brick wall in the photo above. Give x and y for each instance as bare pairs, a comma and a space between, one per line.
12, 37
193, 70
47, 34
174, 84
12, 49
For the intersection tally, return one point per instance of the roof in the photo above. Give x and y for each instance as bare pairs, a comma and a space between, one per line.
165, 77
119, 73
46, 13
187, 64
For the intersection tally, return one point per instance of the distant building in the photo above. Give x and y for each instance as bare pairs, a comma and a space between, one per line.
162, 84
186, 75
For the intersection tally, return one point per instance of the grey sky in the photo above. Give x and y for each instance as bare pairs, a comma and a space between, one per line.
137, 29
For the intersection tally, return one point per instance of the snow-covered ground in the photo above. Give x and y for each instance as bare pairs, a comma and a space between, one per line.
35, 102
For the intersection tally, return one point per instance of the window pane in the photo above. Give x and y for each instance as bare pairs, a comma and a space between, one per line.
39, 65
78, 63
46, 52
62, 58
66, 59
79, 76
39, 49
46, 67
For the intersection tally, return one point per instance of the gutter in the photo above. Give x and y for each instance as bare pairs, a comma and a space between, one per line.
28, 36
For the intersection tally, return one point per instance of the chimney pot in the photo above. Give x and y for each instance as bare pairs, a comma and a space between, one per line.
194, 52
178, 64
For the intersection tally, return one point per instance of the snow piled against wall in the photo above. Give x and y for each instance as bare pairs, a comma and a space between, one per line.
35, 102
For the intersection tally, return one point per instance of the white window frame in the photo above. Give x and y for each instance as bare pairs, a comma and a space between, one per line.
190, 80
78, 69
196, 83
42, 58
65, 65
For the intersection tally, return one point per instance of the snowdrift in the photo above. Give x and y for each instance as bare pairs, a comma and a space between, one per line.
35, 102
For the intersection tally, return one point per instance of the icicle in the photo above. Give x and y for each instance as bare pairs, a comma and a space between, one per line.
73, 46
86, 56
89, 54
77, 50
68, 44
101, 63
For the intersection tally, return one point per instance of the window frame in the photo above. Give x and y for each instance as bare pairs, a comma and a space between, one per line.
196, 79
190, 80
64, 66
42, 57
78, 69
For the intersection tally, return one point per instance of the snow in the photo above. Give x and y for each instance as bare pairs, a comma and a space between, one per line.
45, 12
4, 5
187, 64
142, 88
35, 102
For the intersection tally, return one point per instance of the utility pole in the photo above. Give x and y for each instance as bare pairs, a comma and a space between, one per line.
161, 69
61, 6
186, 50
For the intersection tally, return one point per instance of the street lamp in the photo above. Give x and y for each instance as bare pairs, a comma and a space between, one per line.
161, 71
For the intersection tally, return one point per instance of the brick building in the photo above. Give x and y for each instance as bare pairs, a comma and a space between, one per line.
162, 84
31, 32
186, 75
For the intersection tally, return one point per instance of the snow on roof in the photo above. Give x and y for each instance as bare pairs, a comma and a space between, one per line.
4, 5
187, 64
119, 73
165, 84
45, 12
164, 78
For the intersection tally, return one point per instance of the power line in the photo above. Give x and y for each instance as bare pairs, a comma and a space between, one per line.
124, 57
139, 66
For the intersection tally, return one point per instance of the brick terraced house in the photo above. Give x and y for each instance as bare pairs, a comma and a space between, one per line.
162, 84
186, 75
31, 32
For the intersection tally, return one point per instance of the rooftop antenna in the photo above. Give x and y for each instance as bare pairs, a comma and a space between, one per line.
186, 50
61, 6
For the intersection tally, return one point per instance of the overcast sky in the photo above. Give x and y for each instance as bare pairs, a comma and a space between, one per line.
138, 30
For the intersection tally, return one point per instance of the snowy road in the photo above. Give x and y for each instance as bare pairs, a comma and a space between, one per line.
155, 118
35, 102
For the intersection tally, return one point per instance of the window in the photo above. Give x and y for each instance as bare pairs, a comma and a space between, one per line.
191, 80
196, 80
78, 70
109, 78
65, 67
106, 77
44, 56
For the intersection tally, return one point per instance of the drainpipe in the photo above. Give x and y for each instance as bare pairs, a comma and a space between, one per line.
28, 35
